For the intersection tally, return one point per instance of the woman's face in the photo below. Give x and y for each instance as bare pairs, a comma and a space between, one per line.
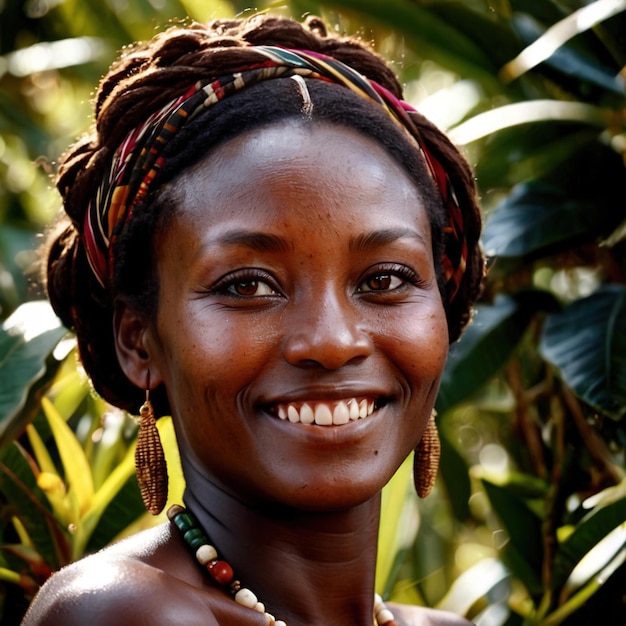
300, 332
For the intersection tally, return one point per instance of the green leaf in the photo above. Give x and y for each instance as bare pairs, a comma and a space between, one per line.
577, 200
19, 486
103, 498
560, 33
522, 113
536, 218
588, 533
474, 583
454, 472
587, 343
485, 347
27, 339
435, 36
528, 151
124, 509
523, 552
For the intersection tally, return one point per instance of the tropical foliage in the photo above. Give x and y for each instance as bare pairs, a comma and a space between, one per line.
527, 524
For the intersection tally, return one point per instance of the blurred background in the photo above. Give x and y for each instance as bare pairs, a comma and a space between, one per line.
527, 521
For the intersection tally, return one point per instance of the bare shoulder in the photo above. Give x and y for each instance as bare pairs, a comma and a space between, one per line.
421, 616
125, 584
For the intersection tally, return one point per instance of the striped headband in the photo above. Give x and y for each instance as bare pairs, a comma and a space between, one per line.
139, 159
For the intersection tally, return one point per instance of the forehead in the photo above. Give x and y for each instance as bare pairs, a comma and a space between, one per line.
316, 167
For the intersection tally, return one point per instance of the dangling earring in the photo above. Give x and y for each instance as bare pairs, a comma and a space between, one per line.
149, 459
426, 459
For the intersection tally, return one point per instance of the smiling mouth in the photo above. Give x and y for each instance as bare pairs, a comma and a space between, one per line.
327, 413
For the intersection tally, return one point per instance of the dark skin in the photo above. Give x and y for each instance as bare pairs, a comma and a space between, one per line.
297, 271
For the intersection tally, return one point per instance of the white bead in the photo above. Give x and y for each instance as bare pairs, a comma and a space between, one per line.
384, 616
205, 554
260, 607
280, 623
245, 597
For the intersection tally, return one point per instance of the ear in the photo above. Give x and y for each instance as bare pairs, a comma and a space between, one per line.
135, 346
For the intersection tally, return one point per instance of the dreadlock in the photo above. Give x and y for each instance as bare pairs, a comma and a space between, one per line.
149, 75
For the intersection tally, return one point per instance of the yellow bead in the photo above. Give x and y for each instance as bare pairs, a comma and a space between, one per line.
384, 616
245, 597
205, 554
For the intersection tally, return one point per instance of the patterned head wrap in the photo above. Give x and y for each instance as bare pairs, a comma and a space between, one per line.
139, 159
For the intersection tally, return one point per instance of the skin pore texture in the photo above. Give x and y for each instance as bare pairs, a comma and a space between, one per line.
297, 288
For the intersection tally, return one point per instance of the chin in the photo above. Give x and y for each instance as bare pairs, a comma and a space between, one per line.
340, 496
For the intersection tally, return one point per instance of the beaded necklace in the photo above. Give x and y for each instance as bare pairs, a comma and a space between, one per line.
222, 573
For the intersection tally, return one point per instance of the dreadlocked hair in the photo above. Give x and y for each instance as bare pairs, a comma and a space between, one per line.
146, 77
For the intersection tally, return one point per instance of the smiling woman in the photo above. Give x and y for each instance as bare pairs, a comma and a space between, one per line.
268, 244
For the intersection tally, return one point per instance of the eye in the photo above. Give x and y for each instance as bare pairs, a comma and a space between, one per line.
246, 283
251, 288
381, 282
389, 278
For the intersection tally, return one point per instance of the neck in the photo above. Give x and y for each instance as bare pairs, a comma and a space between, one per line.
308, 568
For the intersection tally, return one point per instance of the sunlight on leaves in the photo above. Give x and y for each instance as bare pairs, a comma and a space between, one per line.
579, 21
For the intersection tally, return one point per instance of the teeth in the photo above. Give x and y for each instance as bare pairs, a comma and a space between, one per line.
323, 414
292, 414
341, 414
354, 410
306, 414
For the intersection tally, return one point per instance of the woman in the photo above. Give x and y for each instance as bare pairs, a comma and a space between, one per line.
277, 252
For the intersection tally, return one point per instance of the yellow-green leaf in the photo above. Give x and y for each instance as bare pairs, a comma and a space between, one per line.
75, 465
102, 498
389, 539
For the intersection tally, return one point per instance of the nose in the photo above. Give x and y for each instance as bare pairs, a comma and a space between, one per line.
326, 332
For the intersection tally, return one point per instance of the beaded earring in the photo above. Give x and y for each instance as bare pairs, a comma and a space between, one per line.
149, 459
426, 459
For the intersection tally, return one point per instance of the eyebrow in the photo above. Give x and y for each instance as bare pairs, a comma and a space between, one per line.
255, 240
378, 238
265, 242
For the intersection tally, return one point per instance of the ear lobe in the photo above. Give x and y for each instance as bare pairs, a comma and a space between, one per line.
132, 346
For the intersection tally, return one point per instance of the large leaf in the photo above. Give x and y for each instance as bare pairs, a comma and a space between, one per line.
526, 151
523, 113
484, 348
579, 200
75, 463
473, 584
587, 343
558, 34
588, 533
18, 484
523, 552
436, 36
538, 217
27, 339
454, 472
391, 539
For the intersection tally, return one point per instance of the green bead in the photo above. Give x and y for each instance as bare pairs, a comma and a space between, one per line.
184, 522
195, 538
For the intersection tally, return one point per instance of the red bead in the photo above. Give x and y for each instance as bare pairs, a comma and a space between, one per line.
221, 572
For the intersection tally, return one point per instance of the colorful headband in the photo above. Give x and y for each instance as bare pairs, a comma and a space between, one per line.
139, 158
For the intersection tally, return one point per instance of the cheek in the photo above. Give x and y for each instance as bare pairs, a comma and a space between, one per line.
419, 343
210, 355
